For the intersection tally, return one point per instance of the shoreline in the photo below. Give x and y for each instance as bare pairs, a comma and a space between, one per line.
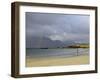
57, 61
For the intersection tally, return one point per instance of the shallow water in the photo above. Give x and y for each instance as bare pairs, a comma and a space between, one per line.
41, 53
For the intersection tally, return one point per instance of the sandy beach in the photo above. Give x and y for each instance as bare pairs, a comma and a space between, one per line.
55, 61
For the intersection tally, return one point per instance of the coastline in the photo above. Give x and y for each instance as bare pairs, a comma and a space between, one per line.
57, 61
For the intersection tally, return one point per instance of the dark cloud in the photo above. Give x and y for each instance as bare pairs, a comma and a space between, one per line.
58, 26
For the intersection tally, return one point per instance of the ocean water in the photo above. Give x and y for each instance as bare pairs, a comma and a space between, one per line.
68, 52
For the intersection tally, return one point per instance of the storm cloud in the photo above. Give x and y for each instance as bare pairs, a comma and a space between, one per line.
63, 27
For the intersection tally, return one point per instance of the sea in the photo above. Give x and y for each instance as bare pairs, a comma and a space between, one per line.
66, 52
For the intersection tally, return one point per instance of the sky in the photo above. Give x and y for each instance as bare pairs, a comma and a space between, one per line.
63, 27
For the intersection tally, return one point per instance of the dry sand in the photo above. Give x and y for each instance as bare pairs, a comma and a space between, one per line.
57, 61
